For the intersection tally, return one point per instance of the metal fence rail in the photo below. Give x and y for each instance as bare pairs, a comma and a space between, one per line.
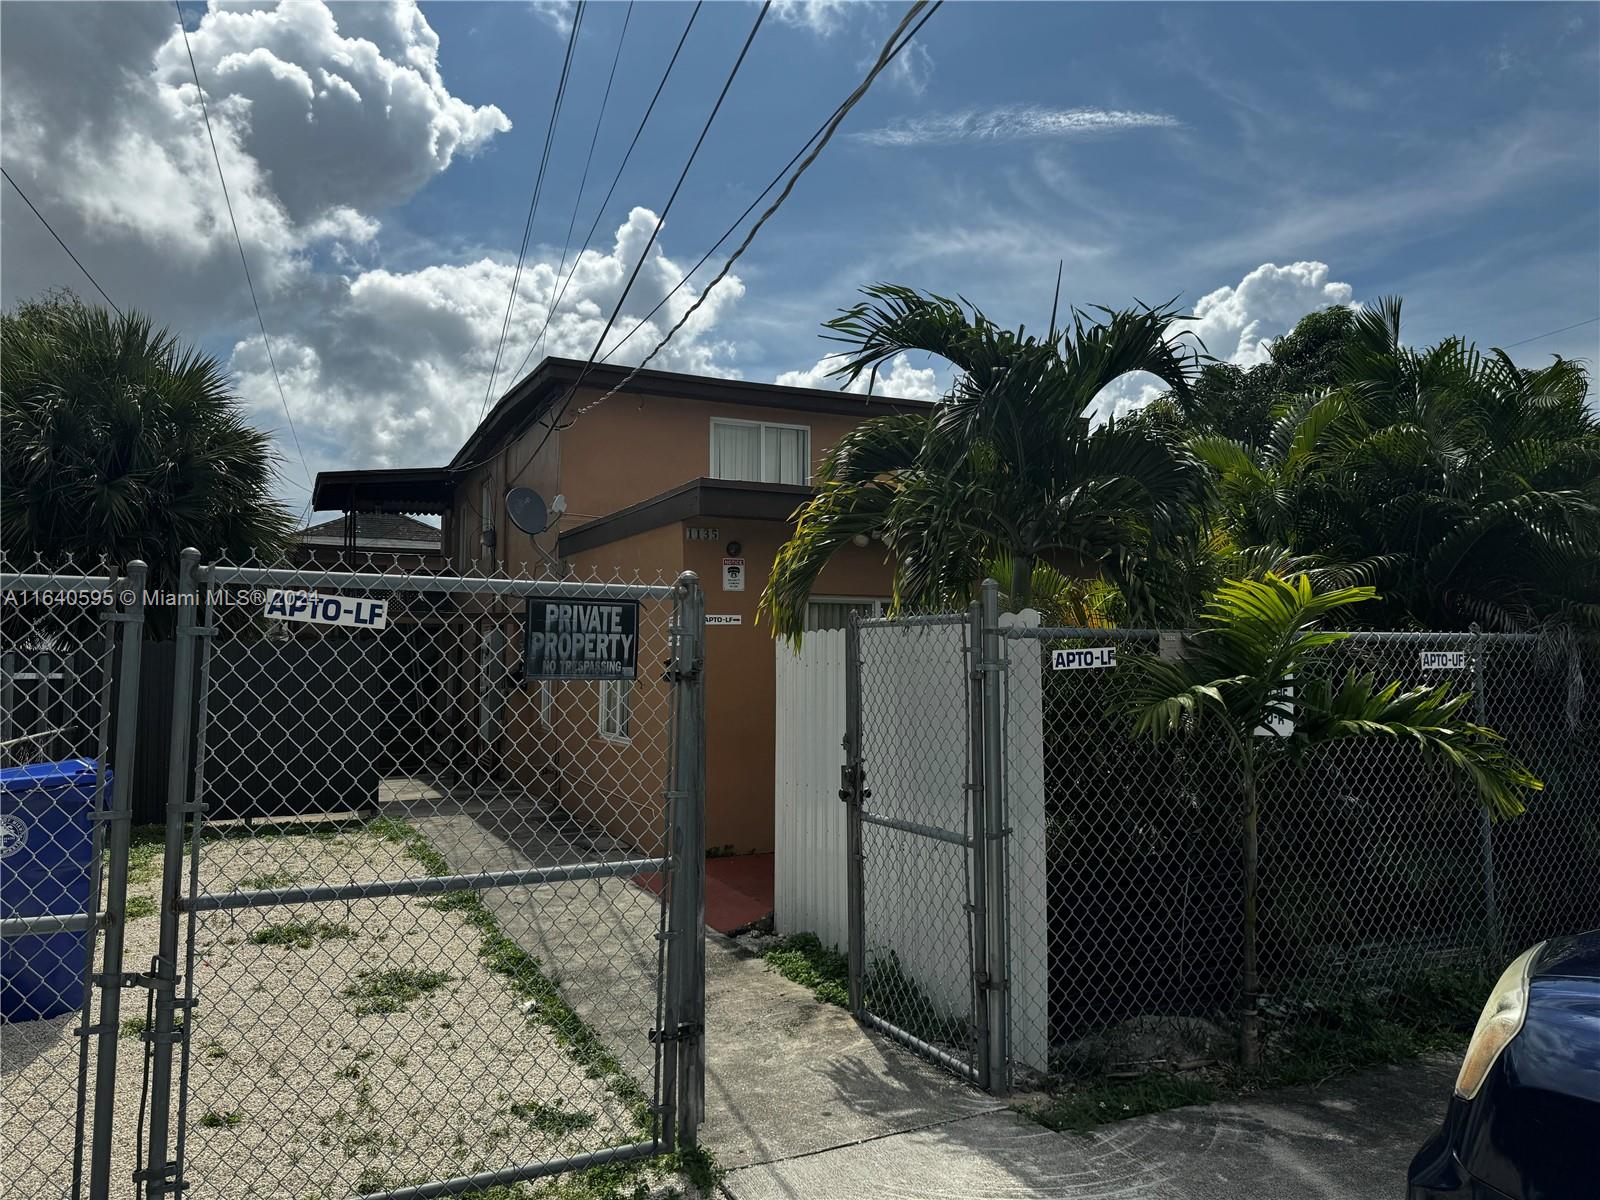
69, 683
1113, 864
423, 918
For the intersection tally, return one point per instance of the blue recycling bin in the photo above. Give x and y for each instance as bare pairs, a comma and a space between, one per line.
46, 854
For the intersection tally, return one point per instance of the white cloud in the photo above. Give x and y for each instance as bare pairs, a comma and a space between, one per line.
822, 17
912, 68
323, 120
392, 371
900, 379
1237, 324
1012, 123
555, 13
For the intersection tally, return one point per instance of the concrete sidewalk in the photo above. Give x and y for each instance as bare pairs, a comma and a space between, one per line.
1349, 1139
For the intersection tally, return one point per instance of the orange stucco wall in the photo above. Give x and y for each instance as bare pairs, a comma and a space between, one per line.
618, 454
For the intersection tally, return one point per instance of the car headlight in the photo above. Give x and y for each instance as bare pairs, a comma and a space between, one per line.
1501, 1020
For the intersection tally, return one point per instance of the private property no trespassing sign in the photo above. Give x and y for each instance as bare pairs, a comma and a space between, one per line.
314, 609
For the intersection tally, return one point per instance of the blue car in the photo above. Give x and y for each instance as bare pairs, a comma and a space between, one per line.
1524, 1122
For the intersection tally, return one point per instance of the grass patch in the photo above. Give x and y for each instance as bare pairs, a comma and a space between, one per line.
221, 1120
1094, 1104
1311, 1044
272, 879
145, 847
141, 906
300, 935
803, 959
137, 1027
554, 1119
389, 991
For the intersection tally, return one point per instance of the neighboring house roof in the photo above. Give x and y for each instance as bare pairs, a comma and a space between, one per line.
726, 498
376, 531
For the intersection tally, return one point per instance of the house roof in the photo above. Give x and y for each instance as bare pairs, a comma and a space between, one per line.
429, 489
553, 377
375, 531
407, 490
726, 498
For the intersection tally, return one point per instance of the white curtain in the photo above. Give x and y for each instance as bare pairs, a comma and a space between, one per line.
736, 452
788, 452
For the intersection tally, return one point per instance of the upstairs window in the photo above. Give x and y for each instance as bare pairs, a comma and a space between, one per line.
761, 452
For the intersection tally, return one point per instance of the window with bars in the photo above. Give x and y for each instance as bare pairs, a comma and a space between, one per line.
834, 612
760, 452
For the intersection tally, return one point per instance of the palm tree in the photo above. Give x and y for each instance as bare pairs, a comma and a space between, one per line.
1259, 675
1009, 463
120, 443
1475, 482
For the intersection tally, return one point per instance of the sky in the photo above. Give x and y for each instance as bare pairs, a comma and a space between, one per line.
1250, 161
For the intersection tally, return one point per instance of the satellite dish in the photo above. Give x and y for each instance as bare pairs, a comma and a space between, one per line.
526, 509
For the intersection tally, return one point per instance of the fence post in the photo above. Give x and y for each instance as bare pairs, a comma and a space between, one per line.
684, 1036
852, 784
119, 831
994, 847
160, 1175
1491, 900
978, 853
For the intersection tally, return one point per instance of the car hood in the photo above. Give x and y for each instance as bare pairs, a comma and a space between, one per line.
1576, 956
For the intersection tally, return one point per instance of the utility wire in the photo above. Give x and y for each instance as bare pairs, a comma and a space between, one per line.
533, 205
60, 242
1552, 333
660, 221
884, 56
577, 199
239, 242
739, 220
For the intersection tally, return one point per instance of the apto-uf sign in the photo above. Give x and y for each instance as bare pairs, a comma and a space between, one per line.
1089, 659
314, 609
581, 639
1444, 660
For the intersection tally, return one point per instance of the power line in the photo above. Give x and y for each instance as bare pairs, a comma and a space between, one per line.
884, 57
1552, 333
60, 242
533, 204
577, 199
239, 242
750, 208
660, 221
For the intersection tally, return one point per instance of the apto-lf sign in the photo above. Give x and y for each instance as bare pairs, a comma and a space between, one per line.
1088, 659
312, 608
581, 639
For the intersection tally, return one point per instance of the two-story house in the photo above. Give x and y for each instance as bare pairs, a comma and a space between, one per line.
675, 472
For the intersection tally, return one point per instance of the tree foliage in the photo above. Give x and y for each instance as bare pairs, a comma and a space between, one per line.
1008, 464
121, 443
1468, 487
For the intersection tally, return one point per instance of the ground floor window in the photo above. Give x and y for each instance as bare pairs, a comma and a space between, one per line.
616, 709
833, 612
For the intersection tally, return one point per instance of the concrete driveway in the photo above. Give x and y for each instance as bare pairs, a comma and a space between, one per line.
1348, 1139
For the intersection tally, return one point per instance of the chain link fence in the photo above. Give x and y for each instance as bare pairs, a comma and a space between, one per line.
1382, 886
426, 912
64, 840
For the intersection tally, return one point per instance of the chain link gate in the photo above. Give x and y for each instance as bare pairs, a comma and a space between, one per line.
69, 684
403, 947
926, 892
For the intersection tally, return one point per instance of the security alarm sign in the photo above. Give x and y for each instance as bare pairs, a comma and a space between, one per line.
581, 639
733, 574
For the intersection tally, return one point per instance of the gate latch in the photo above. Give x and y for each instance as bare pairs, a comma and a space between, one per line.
852, 781
687, 1032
